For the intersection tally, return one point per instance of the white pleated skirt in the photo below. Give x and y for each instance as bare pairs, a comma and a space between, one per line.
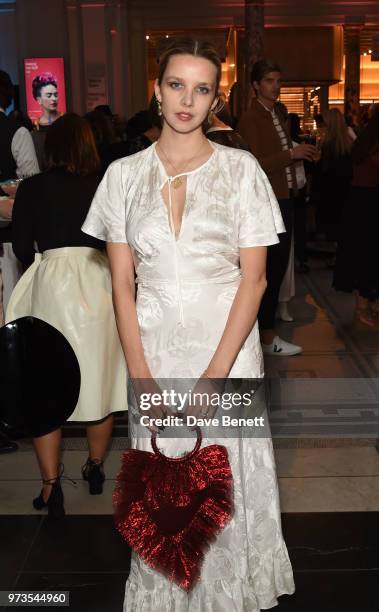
70, 288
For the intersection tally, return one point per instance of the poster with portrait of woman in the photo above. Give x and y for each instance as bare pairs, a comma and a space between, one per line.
45, 89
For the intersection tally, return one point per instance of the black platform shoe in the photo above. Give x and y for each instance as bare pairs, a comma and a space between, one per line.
93, 472
55, 501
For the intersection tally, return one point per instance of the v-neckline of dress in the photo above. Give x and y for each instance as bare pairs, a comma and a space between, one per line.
170, 179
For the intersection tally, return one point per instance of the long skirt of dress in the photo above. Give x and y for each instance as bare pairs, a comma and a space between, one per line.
70, 288
247, 567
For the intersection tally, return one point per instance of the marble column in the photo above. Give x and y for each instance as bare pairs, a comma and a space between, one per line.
352, 71
254, 46
137, 64
77, 77
116, 38
239, 88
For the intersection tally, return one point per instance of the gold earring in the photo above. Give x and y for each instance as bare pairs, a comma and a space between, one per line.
210, 115
159, 111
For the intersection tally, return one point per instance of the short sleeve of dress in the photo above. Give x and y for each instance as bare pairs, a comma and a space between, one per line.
260, 220
106, 218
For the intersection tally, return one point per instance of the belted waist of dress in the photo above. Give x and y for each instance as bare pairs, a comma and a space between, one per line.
69, 252
157, 282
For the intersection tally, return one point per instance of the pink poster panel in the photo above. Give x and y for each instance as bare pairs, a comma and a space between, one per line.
45, 88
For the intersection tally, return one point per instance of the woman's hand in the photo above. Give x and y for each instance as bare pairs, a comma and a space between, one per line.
149, 400
10, 189
209, 392
6, 208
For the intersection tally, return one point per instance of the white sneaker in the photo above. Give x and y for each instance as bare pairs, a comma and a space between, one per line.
283, 313
281, 347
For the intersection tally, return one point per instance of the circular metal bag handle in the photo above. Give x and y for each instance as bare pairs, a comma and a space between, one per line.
177, 459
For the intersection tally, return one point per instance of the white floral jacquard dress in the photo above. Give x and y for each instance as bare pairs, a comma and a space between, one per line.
186, 287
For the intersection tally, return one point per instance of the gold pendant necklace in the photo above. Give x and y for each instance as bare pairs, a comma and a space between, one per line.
178, 181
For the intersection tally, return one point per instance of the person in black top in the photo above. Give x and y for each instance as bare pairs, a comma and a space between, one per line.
357, 269
332, 174
220, 129
21, 119
17, 160
50, 208
69, 287
143, 128
103, 130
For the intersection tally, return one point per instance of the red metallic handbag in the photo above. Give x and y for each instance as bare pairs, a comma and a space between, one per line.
169, 509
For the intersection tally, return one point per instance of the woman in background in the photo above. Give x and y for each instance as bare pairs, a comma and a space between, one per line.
333, 173
69, 287
357, 269
220, 128
143, 129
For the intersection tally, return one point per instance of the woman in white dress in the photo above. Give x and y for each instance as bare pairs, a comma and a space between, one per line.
194, 219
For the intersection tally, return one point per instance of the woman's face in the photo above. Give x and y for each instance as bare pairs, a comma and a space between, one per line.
49, 98
187, 92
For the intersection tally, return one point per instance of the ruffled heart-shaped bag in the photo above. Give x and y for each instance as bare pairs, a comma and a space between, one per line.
169, 509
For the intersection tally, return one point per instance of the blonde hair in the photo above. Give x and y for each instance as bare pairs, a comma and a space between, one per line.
337, 141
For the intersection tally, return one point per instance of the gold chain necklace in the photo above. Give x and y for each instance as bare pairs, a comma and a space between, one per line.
177, 182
